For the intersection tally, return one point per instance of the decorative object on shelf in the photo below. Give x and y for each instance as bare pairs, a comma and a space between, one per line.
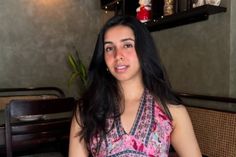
169, 7
198, 3
186, 17
184, 12
144, 11
213, 2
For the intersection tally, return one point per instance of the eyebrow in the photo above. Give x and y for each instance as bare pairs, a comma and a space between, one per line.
122, 40
126, 39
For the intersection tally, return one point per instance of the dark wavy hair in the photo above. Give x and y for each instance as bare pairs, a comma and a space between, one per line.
101, 99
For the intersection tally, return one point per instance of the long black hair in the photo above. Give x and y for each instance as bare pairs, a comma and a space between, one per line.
102, 98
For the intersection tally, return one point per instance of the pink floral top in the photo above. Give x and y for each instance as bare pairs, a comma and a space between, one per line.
149, 135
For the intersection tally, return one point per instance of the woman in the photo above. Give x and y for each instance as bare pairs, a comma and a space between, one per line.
128, 108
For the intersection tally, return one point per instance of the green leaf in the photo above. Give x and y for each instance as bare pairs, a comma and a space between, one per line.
72, 62
79, 71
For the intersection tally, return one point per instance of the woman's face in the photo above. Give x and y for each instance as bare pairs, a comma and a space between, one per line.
120, 54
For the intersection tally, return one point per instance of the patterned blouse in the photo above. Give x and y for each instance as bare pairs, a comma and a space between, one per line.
148, 137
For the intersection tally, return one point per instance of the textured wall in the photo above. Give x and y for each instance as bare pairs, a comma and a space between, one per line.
200, 57
36, 36
233, 49
196, 56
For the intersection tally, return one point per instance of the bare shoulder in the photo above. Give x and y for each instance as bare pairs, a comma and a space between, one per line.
76, 146
183, 138
175, 109
179, 113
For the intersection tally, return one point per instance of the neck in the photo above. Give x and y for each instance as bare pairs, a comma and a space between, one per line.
132, 91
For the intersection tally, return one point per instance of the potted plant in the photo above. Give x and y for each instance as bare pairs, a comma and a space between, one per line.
79, 70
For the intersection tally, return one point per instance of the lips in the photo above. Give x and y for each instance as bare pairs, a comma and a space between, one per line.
121, 68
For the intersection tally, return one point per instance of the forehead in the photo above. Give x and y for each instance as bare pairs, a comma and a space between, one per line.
118, 32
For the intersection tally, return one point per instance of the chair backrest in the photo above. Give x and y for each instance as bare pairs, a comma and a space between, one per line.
215, 131
33, 123
8, 94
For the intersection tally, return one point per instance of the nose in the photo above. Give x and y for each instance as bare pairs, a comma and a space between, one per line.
119, 55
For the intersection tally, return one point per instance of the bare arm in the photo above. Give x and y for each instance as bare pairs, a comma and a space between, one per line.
183, 138
77, 148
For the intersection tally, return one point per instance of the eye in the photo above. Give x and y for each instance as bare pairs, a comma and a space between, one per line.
109, 48
128, 45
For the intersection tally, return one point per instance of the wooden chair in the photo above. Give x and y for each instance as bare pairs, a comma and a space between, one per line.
8, 94
37, 125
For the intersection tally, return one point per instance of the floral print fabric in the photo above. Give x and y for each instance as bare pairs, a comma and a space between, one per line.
149, 135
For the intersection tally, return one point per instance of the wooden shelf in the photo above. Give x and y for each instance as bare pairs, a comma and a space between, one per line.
186, 17
181, 18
